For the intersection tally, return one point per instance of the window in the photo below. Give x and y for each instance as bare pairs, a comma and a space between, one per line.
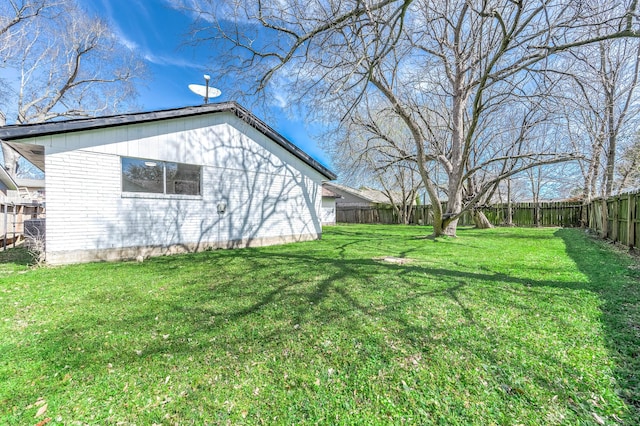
160, 177
182, 179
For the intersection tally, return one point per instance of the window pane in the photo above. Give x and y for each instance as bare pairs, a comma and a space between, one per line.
183, 179
142, 176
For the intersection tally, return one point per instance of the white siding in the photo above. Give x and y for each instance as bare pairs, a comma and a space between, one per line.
271, 195
328, 211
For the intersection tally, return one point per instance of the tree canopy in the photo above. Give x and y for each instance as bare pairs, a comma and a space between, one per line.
471, 83
60, 62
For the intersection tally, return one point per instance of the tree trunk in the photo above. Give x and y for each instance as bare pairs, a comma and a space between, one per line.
591, 178
536, 214
509, 219
605, 218
10, 160
10, 156
611, 153
448, 228
454, 206
584, 213
480, 220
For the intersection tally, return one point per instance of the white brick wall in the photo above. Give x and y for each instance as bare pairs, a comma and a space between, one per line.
269, 193
328, 216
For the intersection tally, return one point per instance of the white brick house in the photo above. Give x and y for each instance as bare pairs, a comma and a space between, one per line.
170, 181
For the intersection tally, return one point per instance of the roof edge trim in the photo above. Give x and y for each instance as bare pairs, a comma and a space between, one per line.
25, 131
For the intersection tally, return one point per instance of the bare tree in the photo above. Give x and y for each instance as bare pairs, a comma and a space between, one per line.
443, 67
401, 184
68, 64
12, 15
374, 146
600, 108
607, 89
629, 167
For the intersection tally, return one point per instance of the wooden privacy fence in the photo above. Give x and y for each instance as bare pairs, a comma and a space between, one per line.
366, 215
550, 213
616, 218
523, 214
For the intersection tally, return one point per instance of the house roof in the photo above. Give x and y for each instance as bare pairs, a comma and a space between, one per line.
348, 190
7, 180
326, 192
367, 194
34, 153
378, 196
30, 183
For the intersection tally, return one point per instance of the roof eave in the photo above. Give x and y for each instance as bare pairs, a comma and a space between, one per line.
26, 131
7, 180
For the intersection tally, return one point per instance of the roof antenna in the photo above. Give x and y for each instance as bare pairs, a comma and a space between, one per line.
205, 91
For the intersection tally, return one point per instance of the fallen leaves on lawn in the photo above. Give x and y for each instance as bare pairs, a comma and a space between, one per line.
43, 407
598, 419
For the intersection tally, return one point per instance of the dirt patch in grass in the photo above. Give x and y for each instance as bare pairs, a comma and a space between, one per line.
396, 260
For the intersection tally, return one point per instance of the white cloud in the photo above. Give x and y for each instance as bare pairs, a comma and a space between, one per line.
279, 100
191, 8
170, 61
126, 42
211, 11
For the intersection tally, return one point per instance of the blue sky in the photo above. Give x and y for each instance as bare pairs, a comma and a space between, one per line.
159, 33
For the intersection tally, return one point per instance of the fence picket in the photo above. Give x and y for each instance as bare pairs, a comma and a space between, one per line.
617, 218
524, 214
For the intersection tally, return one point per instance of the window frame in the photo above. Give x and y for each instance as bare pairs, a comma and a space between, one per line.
164, 194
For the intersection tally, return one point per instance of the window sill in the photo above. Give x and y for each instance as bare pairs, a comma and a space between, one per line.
151, 196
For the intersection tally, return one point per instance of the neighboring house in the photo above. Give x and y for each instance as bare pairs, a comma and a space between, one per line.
364, 197
188, 179
8, 197
328, 205
31, 189
18, 206
19, 190
8, 186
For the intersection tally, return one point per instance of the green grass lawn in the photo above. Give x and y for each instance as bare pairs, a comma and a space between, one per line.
502, 326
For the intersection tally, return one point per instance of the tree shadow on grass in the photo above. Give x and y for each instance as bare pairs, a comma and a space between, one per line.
431, 285
296, 305
620, 295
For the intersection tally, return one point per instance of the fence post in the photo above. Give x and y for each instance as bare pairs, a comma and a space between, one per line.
613, 220
509, 221
6, 228
604, 214
630, 223
15, 218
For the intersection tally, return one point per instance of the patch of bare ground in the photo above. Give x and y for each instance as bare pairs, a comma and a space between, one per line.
396, 260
